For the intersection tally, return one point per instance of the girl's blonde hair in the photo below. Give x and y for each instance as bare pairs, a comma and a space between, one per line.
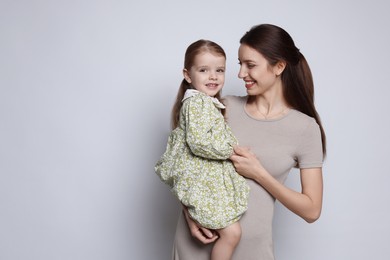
192, 51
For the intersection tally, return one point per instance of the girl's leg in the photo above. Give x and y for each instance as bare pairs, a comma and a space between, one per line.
227, 242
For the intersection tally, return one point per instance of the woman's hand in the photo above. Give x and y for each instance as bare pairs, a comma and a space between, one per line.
204, 235
306, 204
246, 163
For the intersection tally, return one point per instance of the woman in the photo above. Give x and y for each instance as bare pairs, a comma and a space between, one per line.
278, 128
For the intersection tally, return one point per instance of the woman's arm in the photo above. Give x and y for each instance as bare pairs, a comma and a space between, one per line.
306, 204
204, 235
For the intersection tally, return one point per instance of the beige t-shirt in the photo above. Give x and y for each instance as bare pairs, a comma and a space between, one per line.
280, 144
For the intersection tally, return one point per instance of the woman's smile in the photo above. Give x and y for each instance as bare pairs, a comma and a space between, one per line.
249, 83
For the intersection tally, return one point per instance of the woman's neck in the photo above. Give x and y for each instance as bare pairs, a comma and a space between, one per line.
267, 106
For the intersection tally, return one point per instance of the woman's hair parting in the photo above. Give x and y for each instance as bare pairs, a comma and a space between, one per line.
192, 51
276, 45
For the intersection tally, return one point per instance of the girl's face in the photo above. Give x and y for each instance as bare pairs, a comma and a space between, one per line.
255, 70
207, 75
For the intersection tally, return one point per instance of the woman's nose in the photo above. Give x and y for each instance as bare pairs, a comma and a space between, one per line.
242, 73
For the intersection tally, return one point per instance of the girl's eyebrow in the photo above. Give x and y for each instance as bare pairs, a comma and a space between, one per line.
206, 66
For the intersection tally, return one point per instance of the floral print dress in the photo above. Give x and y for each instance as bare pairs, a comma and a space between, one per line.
196, 167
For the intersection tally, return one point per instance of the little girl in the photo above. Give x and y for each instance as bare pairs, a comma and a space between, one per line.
195, 164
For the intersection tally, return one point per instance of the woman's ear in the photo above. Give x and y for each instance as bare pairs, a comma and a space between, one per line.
187, 76
279, 67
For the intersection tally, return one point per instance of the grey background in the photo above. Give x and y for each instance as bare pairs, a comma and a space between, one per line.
86, 89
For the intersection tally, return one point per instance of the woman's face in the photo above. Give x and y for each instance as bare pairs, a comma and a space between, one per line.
255, 70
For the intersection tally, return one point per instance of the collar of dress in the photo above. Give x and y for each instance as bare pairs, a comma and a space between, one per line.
192, 92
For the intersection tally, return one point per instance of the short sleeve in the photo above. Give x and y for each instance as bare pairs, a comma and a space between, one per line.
309, 154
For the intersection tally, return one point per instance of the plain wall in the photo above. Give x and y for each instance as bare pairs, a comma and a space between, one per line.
86, 88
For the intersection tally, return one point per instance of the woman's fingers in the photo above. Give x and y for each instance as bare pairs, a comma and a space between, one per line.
241, 150
205, 235
240, 154
202, 234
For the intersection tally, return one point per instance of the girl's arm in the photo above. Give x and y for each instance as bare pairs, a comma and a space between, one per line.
306, 204
207, 133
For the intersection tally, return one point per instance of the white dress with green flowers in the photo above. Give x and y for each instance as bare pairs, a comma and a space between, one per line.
196, 167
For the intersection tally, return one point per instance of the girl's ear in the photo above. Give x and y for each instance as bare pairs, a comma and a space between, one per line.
279, 67
187, 76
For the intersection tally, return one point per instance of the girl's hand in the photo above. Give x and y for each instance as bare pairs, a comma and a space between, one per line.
204, 235
246, 163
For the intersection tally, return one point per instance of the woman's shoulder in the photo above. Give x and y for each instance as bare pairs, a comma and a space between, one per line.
229, 100
301, 122
298, 116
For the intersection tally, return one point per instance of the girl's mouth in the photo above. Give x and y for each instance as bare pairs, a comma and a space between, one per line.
212, 85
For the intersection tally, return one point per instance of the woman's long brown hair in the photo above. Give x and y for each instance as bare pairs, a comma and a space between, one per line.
276, 45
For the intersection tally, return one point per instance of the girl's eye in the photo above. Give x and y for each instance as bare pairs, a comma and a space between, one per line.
221, 70
202, 70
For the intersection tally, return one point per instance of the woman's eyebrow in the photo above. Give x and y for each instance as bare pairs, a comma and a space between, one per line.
245, 60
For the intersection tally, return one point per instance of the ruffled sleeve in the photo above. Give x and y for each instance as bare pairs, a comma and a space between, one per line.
207, 133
